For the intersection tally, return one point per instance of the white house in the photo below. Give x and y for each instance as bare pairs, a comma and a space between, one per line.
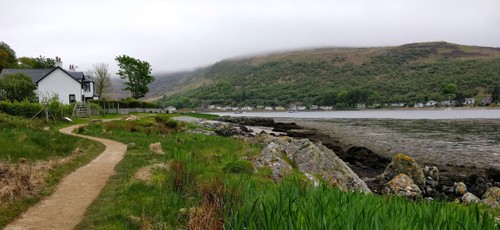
68, 85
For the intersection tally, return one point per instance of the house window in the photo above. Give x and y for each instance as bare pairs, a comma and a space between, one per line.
72, 98
86, 86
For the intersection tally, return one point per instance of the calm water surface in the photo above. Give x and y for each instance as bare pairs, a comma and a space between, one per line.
381, 114
469, 137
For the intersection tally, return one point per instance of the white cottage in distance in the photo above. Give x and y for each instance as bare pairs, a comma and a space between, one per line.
70, 86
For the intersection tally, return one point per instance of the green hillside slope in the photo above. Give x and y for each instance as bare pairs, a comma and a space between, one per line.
342, 77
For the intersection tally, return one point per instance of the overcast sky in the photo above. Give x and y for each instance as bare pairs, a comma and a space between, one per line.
183, 34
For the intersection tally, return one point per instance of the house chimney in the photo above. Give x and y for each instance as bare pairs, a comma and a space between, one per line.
58, 62
71, 68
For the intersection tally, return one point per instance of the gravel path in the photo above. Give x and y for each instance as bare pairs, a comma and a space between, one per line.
65, 208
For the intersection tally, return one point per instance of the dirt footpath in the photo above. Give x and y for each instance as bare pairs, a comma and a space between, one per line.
65, 208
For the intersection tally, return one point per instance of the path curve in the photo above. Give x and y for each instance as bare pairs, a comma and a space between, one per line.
65, 208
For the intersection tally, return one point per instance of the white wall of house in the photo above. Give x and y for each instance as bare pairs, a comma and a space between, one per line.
89, 93
61, 84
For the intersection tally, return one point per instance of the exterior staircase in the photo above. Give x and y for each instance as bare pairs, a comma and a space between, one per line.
81, 109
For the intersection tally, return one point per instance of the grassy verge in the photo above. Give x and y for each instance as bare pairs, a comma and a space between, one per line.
204, 182
31, 141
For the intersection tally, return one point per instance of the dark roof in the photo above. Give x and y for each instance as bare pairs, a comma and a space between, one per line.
38, 74
35, 74
77, 75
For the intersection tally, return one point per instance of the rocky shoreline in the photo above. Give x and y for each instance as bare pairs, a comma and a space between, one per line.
325, 159
440, 179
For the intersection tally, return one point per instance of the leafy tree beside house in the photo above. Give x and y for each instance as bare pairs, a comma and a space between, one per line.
8, 57
17, 87
138, 74
39, 62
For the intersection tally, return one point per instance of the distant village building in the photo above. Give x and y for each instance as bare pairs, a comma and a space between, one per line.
247, 108
326, 107
431, 104
361, 106
260, 107
313, 107
171, 109
279, 108
301, 108
269, 108
419, 105
399, 104
486, 101
469, 101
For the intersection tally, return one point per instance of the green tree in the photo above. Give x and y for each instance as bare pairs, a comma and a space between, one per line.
17, 87
449, 88
8, 57
138, 74
39, 62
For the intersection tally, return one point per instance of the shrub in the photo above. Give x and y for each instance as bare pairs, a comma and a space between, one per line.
23, 109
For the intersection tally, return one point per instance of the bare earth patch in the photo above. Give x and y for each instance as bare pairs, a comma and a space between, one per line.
65, 208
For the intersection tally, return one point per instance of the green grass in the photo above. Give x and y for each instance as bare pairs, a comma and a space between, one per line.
295, 206
33, 140
201, 177
27, 139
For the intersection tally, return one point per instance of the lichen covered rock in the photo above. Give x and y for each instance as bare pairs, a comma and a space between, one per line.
402, 164
459, 188
492, 197
403, 185
271, 157
309, 158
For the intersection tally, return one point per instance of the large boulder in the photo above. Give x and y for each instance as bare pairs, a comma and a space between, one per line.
272, 157
403, 185
317, 159
492, 197
403, 164
312, 159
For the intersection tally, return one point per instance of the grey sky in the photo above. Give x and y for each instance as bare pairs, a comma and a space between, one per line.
183, 34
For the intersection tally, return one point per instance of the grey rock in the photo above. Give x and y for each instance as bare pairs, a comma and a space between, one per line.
431, 172
314, 159
492, 197
271, 157
403, 185
469, 198
403, 164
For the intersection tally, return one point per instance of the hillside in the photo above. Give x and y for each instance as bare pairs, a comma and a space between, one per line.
341, 77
